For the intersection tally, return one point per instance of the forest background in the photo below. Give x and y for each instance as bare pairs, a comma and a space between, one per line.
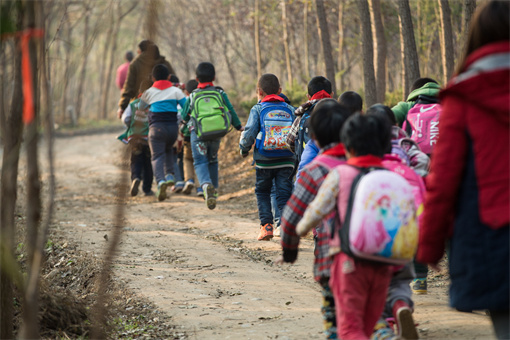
295, 39
57, 68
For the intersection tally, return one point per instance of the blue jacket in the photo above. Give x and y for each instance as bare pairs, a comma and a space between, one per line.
309, 153
249, 136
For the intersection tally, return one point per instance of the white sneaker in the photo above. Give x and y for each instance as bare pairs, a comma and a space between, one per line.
276, 232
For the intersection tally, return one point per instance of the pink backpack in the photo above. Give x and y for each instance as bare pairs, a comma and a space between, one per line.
378, 215
422, 123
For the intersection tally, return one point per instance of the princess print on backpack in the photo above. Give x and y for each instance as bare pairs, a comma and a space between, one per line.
275, 122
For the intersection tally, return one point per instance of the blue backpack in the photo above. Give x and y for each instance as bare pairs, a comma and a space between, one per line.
275, 122
303, 135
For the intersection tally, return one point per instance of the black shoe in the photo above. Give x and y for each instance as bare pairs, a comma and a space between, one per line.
134, 186
149, 193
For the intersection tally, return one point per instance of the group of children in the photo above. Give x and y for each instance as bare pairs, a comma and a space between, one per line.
373, 297
310, 144
165, 145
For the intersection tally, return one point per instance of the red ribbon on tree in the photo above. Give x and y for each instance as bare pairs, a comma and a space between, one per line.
26, 73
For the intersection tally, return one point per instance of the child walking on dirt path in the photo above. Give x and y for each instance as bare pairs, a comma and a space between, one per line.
326, 122
189, 171
135, 136
359, 286
163, 99
211, 115
268, 124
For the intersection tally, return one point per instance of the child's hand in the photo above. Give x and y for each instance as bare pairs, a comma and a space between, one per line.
243, 153
241, 128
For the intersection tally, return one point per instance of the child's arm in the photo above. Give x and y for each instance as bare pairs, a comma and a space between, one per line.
185, 110
235, 119
251, 130
290, 140
322, 205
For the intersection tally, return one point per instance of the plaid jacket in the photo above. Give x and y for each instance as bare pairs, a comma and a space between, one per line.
304, 192
290, 140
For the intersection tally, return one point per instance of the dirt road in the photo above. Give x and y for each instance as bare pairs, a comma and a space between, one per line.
205, 268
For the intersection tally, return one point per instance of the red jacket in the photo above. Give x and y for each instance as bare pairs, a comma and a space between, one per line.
476, 113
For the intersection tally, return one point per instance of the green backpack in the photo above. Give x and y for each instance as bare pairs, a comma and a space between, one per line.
209, 113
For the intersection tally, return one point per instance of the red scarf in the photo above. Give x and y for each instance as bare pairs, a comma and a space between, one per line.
204, 85
162, 84
320, 95
365, 161
273, 98
335, 151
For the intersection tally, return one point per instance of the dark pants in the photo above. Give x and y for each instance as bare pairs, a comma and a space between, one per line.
162, 137
263, 184
141, 166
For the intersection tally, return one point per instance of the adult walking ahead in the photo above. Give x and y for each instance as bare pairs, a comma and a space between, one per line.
468, 196
141, 69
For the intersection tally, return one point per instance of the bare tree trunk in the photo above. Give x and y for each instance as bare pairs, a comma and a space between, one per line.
65, 80
305, 38
84, 61
102, 73
30, 325
341, 43
469, 10
12, 136
405, 75
257, 39
109, 68
380, 49
447, 41
286, 43
113, 51
412, 66
368, 53
326, 44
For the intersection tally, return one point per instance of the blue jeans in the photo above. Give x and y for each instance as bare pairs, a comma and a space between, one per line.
141, 167
263, 184
205, 159
274, 205
178, 166
162, 137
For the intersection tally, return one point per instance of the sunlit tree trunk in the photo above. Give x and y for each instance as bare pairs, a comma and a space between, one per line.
340, 61
305, 38
412, 66
380, 49
447, 41
286, 43
403, 56
326, 43
85, 57
257, 39
368, 53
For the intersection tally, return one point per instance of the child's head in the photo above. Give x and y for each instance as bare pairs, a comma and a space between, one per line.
129, 56
317, 84
191, 85
351, 100
174, 78
326, 121
144, 45
205, 72
366, 135
383, 111
268, 84
420, 82
160, 72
